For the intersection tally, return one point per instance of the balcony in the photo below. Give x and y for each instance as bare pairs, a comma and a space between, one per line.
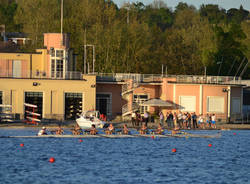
157, 78
41, 75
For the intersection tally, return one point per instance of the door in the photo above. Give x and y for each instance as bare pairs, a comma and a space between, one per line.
16, 68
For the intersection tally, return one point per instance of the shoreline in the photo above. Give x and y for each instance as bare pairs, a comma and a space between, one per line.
220, 126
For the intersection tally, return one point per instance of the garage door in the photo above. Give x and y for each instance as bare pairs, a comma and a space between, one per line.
188, 103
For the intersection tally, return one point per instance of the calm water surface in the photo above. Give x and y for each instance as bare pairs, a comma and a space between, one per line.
126, 160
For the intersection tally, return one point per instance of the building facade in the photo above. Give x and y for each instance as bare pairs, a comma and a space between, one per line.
48, 79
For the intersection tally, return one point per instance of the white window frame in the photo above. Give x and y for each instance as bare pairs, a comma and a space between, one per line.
55, 74
185, 109
209, 110
139, 101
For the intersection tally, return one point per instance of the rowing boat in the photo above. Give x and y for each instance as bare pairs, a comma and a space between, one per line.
187, 135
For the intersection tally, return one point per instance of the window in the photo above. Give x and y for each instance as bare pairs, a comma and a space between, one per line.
59, 53
215, 104
188, 103
52, 68
57, 63
235, 105
1, 97
139, 99
59, 68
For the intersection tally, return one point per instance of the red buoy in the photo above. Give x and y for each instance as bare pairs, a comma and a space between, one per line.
210, 145
174, 150
52, 159
152, 137
234, 133
22, 145
80, 140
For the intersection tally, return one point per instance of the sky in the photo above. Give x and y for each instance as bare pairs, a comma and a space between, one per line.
226, 4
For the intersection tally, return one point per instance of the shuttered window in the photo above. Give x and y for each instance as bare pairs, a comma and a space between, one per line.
215, 104
188, 103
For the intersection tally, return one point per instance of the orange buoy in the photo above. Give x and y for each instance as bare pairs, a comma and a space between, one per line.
52, 159
80, 140
210, 145
174, 150
152, 137
22, 145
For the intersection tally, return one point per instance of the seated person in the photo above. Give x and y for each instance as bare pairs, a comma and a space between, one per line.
159, 130
59, 130
110, 129
43, 131
125, 129
175, 131
143, 129
77, 130
93, 130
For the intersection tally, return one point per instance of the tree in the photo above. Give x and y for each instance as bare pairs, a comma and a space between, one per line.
213, 13
230, 50
237, 15
38, 17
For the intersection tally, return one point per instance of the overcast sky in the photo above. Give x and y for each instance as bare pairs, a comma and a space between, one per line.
226, 4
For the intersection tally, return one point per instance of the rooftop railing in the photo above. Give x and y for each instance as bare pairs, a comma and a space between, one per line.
198, 79
122, 77
69, 75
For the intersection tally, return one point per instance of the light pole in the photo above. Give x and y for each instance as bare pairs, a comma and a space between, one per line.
93, 56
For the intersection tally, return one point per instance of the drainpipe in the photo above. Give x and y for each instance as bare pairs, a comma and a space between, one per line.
228, 102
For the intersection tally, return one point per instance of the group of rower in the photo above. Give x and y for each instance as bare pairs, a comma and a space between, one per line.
109, 130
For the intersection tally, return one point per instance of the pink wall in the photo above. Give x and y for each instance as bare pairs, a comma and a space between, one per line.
55, 40
6, 68
115, 90
214, 90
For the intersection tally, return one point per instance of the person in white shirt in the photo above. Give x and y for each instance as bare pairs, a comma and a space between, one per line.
43, 131
213, 118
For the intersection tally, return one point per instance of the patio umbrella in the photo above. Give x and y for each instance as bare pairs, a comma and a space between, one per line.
157, 103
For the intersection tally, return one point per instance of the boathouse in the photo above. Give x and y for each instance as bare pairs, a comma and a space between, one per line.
47, 78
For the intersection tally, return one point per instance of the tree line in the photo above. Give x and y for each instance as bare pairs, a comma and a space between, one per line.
138, 38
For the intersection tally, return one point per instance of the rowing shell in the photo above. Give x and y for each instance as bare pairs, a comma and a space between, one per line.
120, 136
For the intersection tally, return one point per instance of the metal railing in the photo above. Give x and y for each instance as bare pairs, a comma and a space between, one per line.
69, 75
122, 77
127, 108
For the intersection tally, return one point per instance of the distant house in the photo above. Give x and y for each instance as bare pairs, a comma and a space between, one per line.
16, 37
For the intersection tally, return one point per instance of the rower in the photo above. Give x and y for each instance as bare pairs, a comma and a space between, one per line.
175, 131
159, 130
110, 129
59, 130
125, 129
143, 129
42, 132
93, 130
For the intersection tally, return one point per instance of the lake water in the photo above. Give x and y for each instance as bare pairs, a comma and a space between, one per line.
125, 160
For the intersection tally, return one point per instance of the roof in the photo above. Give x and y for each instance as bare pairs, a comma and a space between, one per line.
156, 102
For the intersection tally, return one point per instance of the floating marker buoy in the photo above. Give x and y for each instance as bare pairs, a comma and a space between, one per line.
210, 145
52, 159
174, 150
152, 137
80, 140
234, 133
22, 145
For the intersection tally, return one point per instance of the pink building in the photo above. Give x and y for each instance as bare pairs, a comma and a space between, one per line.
121, 94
